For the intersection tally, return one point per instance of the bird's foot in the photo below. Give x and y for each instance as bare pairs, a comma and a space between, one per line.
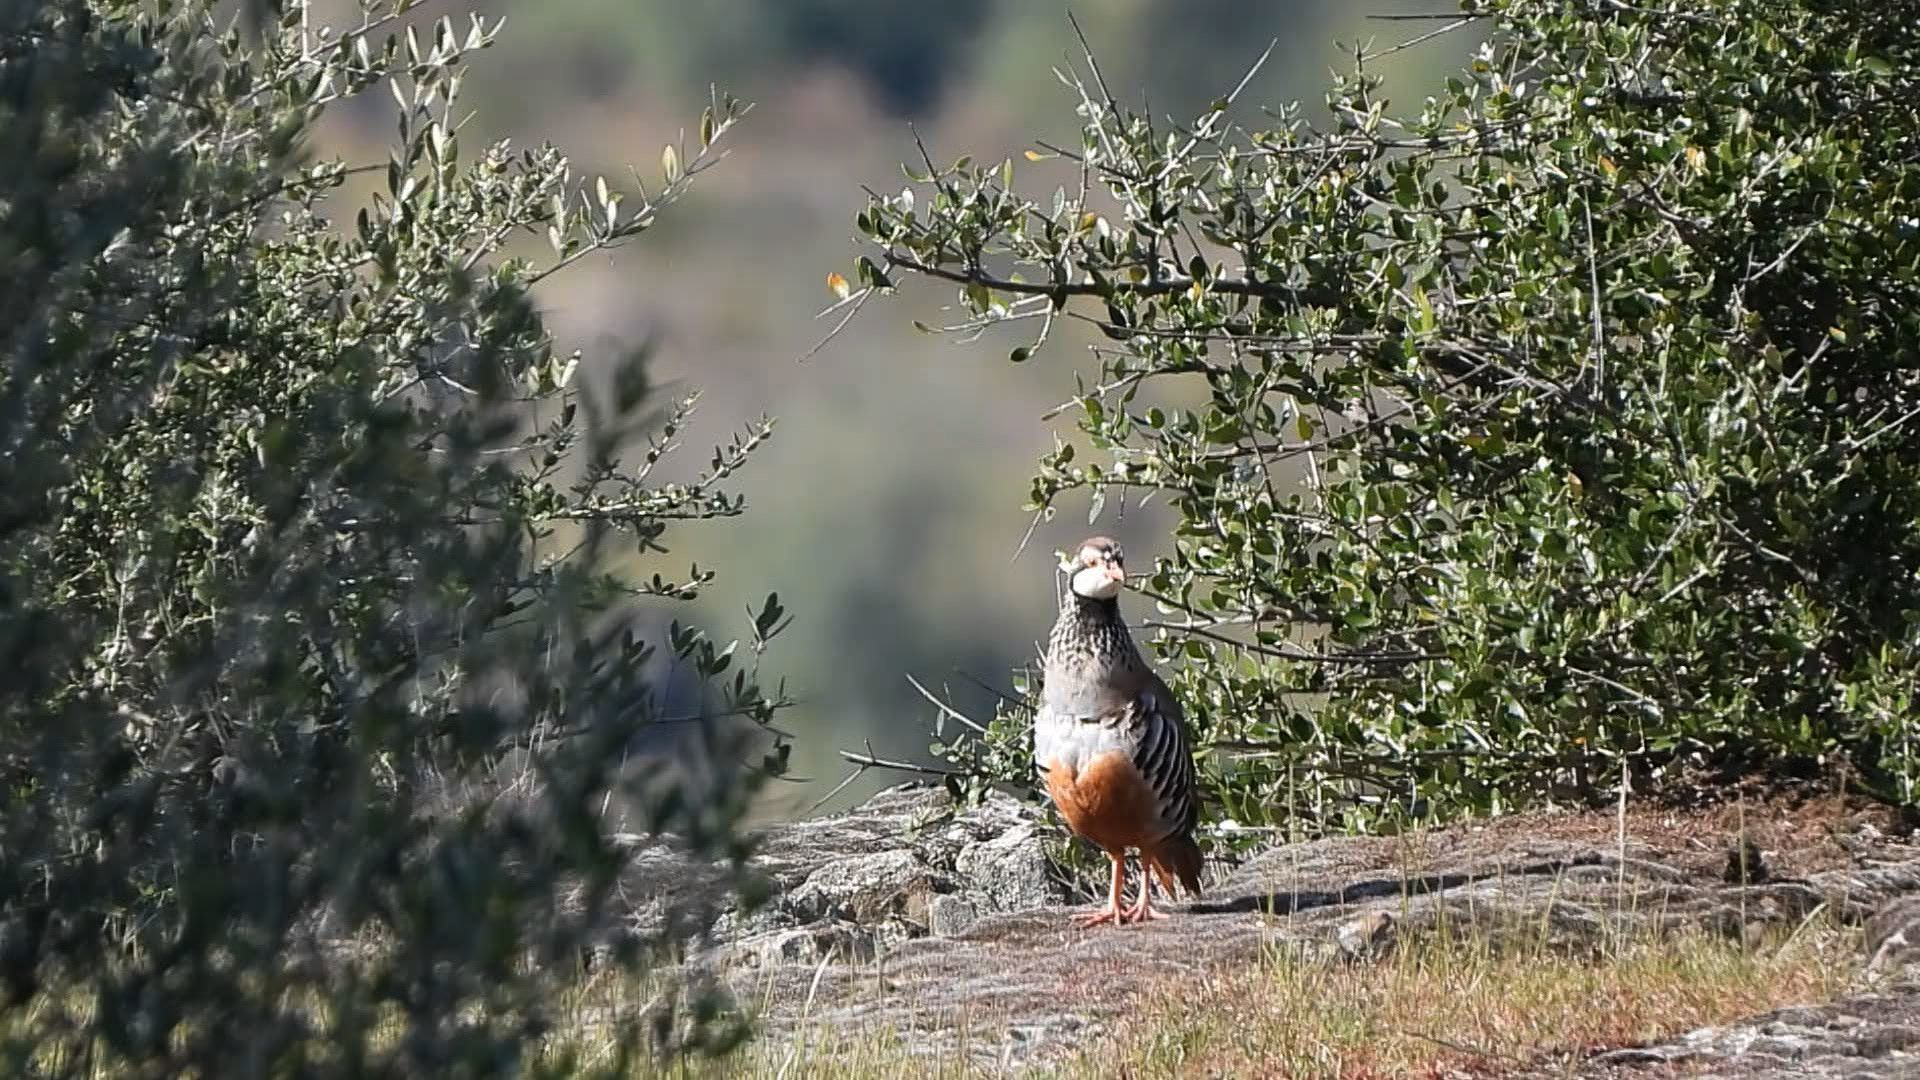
1101, 917
1142, 911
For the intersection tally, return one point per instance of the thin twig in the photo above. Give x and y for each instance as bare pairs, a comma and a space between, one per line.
1285, 654
1626, 785
1620, 686
1093, 65
1027, 537
872, 761
946, 708
1419, 40
1018, 703
857, 303
1462, 1048
1593, 277
837, 789
1166, 285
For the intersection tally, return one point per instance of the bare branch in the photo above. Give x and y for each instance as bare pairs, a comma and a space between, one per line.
1093, 65
1359, 658
947, 709
823, 800
857, 302
1162, 286
872, 761
1459, 21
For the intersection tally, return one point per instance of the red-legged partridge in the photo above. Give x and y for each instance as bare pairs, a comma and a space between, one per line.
1109, 736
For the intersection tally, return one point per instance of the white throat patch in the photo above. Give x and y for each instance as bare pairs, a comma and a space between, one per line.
1093, 583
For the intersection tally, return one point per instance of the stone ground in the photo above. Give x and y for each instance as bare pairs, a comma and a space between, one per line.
915, 915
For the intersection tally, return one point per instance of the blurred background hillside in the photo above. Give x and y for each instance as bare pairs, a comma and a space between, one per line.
888, 510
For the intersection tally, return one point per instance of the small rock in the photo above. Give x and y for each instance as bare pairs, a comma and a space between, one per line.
866, 889
1366, 936
736, 924
1893, 935
1745, 864
950, 915
836, 941
1010, 872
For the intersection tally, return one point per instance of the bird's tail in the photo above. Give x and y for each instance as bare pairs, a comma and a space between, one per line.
1176, 857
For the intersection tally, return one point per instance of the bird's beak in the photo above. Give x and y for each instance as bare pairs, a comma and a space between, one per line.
1115, 573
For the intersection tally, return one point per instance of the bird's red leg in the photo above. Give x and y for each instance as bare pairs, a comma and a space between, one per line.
1111, 913
1142, 909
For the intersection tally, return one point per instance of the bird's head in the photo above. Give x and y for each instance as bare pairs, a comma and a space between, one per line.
1098, 572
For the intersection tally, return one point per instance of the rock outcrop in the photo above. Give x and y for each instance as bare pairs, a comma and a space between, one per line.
950, 924
846, 888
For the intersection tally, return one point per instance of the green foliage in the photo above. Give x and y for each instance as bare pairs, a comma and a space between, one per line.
305, 534
1561, 426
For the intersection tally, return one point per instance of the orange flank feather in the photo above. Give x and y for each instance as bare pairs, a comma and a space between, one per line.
1108, 802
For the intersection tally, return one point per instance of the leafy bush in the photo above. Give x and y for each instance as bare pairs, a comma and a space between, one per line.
1556, 431
305, 529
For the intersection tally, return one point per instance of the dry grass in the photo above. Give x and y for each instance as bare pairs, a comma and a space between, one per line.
1447, 1006
1443, 1006
809, 1051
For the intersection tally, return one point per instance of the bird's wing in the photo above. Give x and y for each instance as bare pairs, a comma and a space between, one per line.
1163, 756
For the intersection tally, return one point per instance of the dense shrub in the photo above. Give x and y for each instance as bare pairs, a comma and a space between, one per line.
1557, 428
305, 528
